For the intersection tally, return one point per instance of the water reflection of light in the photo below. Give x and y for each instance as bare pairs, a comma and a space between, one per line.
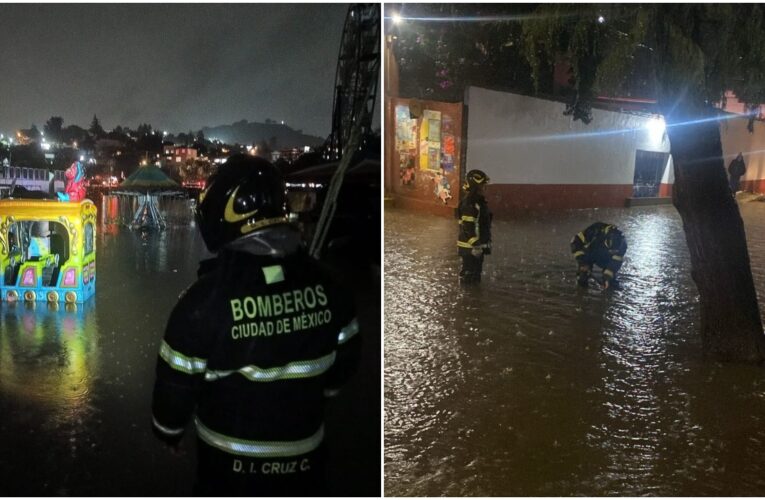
49, 355
528, 386
634, 351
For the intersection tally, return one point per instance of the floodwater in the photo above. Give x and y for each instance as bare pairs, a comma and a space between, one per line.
75, 385
526, 385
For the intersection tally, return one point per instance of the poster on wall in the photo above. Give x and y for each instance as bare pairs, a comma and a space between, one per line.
434, 128
406, 169
447, 125
447, 153
443, 190
405, 129
430, 140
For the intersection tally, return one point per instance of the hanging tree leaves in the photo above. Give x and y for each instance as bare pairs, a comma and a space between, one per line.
693, 54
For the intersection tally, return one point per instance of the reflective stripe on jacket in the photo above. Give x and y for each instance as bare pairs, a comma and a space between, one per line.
474, 221
603, 243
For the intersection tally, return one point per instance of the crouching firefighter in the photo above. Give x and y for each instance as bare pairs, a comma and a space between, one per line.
474, 240
254, 346
603, 245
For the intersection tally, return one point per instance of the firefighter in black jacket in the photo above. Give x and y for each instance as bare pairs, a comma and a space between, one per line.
474, 240
601, 244
736, 169
254, 345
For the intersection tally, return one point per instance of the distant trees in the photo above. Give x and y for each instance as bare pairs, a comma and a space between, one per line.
33, 133
186, 139
29, 155
63, 158
74, 133
96, 130
264, 149
144, 129
439, 60
54, 128
123, 149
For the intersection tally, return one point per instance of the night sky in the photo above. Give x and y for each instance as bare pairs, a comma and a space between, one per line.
175, 66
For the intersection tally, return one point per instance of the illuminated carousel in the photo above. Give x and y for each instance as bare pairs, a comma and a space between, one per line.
142, 193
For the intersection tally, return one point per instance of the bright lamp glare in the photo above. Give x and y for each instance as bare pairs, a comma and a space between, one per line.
656, 128
396, 18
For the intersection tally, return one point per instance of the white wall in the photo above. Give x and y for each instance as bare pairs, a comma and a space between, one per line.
524, 140
669, 172
736, 138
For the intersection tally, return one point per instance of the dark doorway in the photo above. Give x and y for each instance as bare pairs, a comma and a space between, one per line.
649, 170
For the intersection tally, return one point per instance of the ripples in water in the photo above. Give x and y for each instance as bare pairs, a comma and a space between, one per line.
527, 385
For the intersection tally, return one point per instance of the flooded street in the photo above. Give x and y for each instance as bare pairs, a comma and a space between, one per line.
528, 386
75, 385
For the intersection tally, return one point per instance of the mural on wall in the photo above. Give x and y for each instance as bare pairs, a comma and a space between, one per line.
426, 151
406, 145
430, 140
447, 143
405, 129
406, 168
443, 189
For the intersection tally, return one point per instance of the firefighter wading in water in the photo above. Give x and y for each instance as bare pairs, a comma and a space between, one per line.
602, 244
474, 240
254, 345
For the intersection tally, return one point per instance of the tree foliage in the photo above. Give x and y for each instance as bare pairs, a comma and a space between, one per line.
54, 128
443, 48
96, 130
693, 52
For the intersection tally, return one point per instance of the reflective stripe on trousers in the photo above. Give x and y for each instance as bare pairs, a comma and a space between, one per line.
262, 449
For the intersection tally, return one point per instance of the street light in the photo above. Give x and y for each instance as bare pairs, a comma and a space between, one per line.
656, 128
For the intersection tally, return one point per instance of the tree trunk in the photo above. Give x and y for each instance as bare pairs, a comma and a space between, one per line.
731, 327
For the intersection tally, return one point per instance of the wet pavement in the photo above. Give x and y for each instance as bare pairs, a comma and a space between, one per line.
528, 386
75, 385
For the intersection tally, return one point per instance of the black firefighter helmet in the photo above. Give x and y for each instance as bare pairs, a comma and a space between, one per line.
246, 194
474, 178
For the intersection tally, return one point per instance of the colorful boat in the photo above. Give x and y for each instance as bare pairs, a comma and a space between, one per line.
47, 250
